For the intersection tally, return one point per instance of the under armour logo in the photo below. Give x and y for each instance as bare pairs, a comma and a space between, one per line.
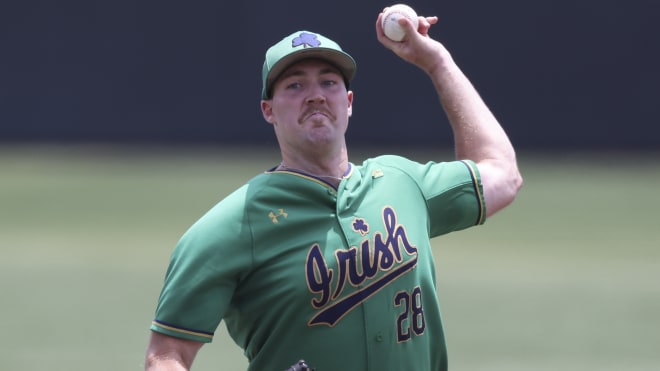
306, 39
274, 217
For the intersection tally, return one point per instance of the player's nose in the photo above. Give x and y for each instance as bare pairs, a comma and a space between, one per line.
316, 95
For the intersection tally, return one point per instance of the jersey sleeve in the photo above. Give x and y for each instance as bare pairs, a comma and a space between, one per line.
459, 201
203, 272
453, 192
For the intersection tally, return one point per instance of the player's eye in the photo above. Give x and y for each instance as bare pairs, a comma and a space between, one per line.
329, 83
294, 85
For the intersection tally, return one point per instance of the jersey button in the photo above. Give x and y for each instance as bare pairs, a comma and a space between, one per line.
379, 337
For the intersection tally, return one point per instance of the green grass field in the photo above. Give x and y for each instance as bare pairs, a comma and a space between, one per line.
568, 278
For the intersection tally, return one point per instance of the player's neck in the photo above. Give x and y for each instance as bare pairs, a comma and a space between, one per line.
331, 169
335, 172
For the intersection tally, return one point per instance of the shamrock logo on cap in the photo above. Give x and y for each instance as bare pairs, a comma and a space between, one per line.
306, 39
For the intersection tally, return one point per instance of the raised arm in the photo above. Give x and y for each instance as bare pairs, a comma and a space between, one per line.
167, 353
478, 136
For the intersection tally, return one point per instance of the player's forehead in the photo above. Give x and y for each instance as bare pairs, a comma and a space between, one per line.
312, 66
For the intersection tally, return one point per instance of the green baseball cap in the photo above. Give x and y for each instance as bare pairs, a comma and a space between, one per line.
303, 45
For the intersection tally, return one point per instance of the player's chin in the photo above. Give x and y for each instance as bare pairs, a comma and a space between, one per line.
323, 135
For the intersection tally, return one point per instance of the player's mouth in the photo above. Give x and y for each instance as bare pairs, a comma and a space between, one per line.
315, 113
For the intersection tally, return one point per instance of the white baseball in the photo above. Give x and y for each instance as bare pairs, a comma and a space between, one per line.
390, 21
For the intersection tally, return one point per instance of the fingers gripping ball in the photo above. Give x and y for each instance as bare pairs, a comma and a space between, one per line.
390, 21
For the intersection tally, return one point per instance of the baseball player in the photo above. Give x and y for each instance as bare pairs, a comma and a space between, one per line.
324, 260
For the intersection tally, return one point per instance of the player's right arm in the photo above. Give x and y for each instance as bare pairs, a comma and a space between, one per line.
478, 136
168, 353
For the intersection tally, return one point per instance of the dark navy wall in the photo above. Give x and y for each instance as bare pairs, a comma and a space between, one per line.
557, 73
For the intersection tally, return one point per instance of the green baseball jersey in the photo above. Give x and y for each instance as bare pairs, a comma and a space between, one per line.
343, 278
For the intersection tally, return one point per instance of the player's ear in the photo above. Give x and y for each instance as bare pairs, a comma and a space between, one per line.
267, 110
350, 103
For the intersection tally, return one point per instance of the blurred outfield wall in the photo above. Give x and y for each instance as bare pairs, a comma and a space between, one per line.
557, 73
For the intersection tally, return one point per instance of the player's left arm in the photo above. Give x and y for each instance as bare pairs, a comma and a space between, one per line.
167, 353
478, 136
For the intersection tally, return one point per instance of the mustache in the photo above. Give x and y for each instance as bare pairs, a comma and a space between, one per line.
312, 110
